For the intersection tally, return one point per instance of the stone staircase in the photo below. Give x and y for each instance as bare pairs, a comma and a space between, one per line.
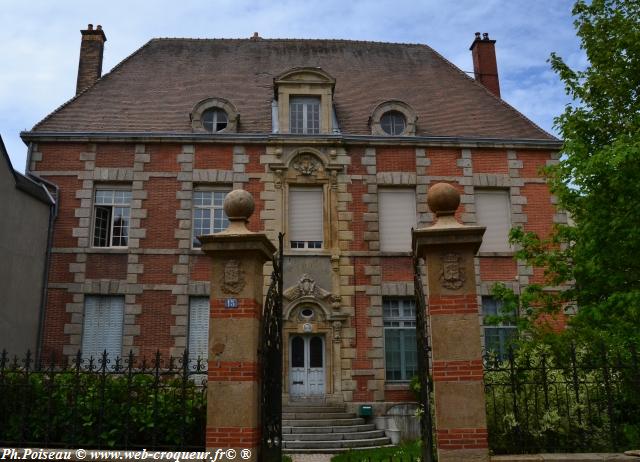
326, 429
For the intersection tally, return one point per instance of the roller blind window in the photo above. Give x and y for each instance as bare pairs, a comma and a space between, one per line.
493, 210
305, 218
198, 330
103, 322
397, 214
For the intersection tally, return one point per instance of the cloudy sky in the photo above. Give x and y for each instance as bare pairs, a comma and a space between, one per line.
40, 41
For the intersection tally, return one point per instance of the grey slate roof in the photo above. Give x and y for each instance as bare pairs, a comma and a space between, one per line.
155, 88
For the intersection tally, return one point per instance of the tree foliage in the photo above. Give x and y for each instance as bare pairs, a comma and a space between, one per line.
595, 262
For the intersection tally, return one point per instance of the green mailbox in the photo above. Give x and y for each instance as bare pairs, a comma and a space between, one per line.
366, 410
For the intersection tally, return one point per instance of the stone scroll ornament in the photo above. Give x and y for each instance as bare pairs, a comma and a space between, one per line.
452, 274
233, 279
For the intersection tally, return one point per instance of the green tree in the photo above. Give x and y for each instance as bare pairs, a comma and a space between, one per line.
596, 261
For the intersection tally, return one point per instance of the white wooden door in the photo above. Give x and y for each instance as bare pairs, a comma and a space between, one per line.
306, 365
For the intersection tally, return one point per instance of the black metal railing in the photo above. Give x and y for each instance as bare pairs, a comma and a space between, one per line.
103, 402
424, 378
583, 399
271, 364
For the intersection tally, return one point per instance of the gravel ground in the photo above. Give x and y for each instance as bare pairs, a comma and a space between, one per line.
311, 457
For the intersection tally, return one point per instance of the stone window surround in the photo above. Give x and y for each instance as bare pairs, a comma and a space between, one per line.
393, 105
210, 103
305, 81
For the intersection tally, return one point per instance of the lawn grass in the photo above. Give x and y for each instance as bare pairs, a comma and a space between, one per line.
406, 452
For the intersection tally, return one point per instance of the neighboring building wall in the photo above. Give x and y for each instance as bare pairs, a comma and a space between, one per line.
160, 270
24, 226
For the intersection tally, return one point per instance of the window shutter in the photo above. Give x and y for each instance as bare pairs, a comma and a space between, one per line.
103, 322
397, 213
493, 210
305, 214
198, 328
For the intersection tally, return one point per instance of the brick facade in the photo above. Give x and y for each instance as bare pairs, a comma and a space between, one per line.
160, 270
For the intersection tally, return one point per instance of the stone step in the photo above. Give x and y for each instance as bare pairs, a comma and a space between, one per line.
346, 444
340, 429
317, 415
289, 408
333, 436
321, 422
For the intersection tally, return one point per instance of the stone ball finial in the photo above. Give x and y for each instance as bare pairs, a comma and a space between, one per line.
443, 199
239, 205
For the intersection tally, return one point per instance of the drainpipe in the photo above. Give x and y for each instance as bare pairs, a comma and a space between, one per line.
53, 214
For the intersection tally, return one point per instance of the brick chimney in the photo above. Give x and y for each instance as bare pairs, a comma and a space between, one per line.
485, 67
91, 49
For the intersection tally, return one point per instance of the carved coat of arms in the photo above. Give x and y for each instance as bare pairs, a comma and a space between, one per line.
233, 280
452, 273
306, 287
306, 164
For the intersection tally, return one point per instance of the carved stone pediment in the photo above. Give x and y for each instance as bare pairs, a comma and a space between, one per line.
306, 287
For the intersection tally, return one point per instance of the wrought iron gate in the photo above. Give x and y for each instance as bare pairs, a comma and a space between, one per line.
422, 336
271, 365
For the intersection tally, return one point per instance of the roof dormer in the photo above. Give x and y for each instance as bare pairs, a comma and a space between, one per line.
305, 101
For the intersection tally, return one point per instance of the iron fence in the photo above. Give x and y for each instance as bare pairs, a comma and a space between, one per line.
583, 399
103, 402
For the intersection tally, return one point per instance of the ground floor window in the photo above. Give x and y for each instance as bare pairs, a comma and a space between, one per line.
198, 337
497, 338
103, 323
401, 358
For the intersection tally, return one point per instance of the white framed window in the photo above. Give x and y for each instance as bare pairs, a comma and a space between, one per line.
497, 338
103, 324
400, 347
306, 218
304, 115
208, 213
198, 335
112, 211
397, 215
493, 210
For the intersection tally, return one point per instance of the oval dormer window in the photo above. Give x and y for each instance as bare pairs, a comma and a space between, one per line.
393, 122
215, 120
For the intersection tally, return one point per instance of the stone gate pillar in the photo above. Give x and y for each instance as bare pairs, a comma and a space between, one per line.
448, 249
233, 389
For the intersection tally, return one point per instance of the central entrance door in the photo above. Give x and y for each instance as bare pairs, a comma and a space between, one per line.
306, 363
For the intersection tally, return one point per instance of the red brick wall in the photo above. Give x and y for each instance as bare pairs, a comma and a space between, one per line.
67, 203
255, 187
396, 269
399, 395
59, 267
155, 323
539, 209
254, 153
213, 156
532, 162
61, 156
498, 269
158, 269
444, 162
163, 157
56, 317
106, 266
357, 208
115, 155
200, 268
161, 205
356, 167
489, 161
396, 159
